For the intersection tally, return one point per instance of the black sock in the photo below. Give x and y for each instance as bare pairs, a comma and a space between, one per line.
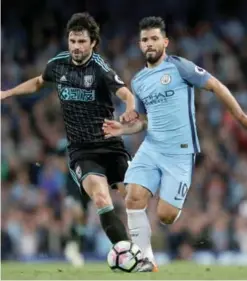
113, 227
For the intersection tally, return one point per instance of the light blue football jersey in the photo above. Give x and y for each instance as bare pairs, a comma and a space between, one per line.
166, 94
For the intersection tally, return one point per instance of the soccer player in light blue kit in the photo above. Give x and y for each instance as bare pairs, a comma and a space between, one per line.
164, 91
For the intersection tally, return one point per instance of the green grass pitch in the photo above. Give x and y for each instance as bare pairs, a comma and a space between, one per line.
100, 271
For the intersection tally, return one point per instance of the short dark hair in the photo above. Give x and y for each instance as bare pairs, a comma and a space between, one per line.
84, 21
152, 22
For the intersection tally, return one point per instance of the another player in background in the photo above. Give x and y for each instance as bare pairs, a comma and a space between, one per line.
164, 91
85, 85
76, 203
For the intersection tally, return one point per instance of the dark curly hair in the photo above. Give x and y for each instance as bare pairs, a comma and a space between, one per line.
84, 21
152, 22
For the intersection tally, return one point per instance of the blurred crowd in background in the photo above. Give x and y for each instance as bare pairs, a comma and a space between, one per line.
35, 215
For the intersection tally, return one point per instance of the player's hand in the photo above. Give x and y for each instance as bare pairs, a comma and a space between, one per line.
4, 94
129, 116
112, 128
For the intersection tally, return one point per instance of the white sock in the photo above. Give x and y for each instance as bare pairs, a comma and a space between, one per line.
140, 231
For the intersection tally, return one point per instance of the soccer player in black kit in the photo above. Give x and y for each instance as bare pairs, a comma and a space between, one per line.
85, 83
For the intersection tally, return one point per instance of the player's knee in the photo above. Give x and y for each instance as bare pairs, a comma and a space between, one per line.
132, 202
101, 199
168, 215
137, 197
97, 189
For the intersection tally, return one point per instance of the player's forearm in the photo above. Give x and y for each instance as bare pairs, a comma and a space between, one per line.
130, 102
28, 87
125, 95
230, 102
133, 128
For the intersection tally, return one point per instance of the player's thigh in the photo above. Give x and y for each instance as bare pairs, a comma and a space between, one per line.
142, 172
90, 173
116, 167
177, 171
84, 164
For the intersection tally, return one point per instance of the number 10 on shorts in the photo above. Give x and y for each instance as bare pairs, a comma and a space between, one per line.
182, 191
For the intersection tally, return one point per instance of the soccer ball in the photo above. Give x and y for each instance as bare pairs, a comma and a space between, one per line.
124, 256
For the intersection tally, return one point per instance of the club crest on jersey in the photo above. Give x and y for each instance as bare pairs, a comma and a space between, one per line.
88, 81
165, 79
78, 172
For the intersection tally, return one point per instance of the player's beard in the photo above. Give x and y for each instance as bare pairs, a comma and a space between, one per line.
154, 56
80, 57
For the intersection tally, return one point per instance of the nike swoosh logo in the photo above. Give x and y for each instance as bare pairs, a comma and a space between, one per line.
177, 198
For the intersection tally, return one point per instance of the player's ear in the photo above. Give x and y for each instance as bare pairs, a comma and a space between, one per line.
93, 44
166, 41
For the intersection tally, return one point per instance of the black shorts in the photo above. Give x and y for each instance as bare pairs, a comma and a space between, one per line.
111, 162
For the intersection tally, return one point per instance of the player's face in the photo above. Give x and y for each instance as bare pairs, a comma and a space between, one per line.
153, 44
80, 45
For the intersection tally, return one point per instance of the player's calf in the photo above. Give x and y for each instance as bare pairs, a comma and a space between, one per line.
167, 213
97, 188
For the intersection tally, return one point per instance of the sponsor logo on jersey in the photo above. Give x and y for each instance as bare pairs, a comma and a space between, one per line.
158, 97
76, 94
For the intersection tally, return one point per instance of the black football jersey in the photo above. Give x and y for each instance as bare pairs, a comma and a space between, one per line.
85, 92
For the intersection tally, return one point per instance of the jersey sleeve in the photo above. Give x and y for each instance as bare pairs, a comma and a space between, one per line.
48, 74
139, 106
112, 81
191, 73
